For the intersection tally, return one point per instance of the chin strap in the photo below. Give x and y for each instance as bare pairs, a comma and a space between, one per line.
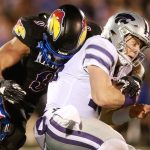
51, 57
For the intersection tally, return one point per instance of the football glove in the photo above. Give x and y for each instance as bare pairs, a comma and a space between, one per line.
11, 91
5, 125
130, 85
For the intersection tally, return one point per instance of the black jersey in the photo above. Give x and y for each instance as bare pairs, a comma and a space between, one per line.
32, 72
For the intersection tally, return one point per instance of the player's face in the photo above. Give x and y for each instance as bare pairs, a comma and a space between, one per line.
133, 46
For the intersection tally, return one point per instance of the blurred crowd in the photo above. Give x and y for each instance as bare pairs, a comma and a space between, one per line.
98, 11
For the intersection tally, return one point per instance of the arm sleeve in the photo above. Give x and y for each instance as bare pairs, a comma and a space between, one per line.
101, 53
28, 30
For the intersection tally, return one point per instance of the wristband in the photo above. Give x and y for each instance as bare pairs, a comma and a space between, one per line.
129, 100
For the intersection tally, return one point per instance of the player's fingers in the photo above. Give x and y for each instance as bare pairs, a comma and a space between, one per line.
146, 108
142, 115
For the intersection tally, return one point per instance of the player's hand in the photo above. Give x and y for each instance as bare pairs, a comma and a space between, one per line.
130, 85
5, 125
139, 111
11, 91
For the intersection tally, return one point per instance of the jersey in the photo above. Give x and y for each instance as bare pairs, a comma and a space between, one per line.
32, 72
73, 85
64, 129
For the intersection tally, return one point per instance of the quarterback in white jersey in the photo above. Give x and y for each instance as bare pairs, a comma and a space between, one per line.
70, 121
73, 85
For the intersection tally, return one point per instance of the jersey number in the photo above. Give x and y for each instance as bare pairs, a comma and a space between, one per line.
41, 81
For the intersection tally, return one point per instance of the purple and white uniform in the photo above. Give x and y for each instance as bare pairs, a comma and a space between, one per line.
71, 92
73, 85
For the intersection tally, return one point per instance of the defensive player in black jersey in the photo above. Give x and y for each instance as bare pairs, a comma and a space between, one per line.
41, 45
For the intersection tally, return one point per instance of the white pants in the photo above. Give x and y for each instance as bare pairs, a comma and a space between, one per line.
62, 129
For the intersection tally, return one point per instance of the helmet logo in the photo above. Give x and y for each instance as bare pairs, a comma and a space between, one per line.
124, 18
83, 32
19, 29
55, 23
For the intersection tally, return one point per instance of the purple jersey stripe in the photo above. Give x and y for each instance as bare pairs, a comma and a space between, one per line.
76, 133
104, 51
38, 122
100, 60
68, 141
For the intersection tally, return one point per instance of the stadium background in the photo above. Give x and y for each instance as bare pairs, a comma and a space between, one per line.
136, 132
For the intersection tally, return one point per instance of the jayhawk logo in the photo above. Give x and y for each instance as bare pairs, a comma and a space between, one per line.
19, 29
55, 23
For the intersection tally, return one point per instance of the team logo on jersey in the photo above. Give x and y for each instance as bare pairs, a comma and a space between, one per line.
39, 23
124, 18
41, 81
55, 23
83, 32
19, 29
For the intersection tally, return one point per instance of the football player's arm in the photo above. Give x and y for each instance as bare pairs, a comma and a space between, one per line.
11, 53
103, 92
123, 115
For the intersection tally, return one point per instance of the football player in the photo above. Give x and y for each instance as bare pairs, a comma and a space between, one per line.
41, 46
88, 82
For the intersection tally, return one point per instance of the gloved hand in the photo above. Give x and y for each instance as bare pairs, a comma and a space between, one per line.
12, 137
130, 85
11, 91
5, 125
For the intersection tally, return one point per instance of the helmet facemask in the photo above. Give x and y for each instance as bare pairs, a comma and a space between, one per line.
119, 27
124, 58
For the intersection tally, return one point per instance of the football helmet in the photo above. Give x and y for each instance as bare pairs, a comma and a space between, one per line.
127, 23
66, 31
67, 27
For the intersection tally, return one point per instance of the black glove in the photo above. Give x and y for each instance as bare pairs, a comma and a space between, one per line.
15, 140
130, 85
11, 91
12, 128
5, 124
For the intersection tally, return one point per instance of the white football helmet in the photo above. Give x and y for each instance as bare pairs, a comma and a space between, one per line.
122, 24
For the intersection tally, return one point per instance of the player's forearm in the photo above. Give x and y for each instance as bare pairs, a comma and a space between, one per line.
11, 53
114, 98
7, 57
109, 98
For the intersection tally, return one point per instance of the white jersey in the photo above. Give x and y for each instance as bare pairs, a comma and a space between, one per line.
72, 86
75, 125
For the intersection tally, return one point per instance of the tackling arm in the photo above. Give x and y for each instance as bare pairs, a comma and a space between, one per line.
11, 53
123, 115
11, 92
